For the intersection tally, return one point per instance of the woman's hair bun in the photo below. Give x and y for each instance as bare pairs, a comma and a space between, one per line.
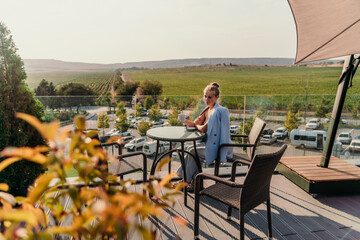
214, 84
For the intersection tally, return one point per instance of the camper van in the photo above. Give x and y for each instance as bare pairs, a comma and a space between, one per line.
308, 139
150, 147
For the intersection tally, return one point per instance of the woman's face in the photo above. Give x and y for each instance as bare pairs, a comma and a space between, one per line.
209, 97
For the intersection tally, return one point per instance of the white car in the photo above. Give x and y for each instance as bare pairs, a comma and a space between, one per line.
344, 137
114, 130
120, 133
234, 129
150, 147
314, 123
280, 133
354, 145
135, 143
267, 139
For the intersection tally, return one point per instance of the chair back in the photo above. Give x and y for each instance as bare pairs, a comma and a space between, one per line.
256, 188
254, 136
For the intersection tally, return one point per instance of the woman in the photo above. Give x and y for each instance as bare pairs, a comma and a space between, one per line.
215, 121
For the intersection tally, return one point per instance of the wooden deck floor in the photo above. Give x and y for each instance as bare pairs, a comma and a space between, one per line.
295, 214
339, 177
307, 167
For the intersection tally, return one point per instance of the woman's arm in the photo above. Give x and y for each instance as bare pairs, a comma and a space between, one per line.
202, 128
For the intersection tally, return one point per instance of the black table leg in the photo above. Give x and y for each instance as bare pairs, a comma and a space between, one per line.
182, 159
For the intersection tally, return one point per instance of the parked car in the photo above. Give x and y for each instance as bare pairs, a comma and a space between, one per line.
313, 123
267, 131
280, 133
234, 129
104, 138
165, 116
135, 143
344, 138
343, 121
354, 145
267, 139
127, 138
159, 122
149, 148
357, 137
120, 133
111, 132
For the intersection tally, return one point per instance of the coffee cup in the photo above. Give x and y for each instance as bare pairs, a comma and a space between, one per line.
182, 117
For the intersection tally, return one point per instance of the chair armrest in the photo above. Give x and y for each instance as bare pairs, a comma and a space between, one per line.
238, 135
117, 144
144, 161
234, 165
217, 160
201, 176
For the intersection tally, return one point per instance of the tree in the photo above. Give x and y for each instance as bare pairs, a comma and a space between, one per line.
122, 123
76, 90
15, 96
103, 121
127, 88
143, 126
174, 117
151, 88
139, 109
323, 108
154, 113
355, 109
292, 121
148, 102
45, 89
120, 109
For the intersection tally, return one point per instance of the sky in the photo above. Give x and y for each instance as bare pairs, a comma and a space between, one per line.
119, 31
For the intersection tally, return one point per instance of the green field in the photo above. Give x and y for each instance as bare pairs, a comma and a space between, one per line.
233, 80
246, 80
59, 78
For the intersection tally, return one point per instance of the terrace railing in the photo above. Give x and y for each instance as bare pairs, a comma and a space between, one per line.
274, 109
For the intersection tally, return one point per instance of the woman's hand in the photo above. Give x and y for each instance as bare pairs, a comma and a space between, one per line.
189, 123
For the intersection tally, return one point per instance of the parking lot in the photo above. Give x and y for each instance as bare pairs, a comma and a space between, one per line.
291, 151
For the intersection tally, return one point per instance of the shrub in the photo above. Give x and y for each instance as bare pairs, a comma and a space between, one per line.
143, 126
103, 211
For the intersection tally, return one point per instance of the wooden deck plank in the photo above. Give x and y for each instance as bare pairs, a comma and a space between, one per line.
339, 177
295, 215
230, 227
324, 217
204, 230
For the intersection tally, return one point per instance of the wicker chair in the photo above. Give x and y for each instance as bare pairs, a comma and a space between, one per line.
126, 164
251, 192
252, 140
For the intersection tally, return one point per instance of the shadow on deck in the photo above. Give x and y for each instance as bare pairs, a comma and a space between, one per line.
295, 215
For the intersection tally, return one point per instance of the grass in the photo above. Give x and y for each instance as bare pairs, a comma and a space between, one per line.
233, 80
245, 80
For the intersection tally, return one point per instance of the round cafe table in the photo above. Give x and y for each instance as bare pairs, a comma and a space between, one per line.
175, 135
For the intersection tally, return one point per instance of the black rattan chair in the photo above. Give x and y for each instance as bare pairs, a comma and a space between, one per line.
250, 144
127, 163
251, 192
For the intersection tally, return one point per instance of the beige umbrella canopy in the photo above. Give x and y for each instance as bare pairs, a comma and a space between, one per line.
326, 28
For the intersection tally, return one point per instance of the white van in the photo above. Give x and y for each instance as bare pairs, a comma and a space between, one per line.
149, 148
308, 139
